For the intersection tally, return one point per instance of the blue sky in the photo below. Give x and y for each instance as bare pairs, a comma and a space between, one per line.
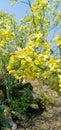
19, 10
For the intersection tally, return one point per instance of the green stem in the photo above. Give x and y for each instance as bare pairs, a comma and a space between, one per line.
7, 92
60, 50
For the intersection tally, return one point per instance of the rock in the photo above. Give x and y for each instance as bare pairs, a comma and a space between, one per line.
17, 116
35, 106
28, 129
12, 125
21, 129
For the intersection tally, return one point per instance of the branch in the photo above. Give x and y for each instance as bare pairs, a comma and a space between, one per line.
32, 12
24, 2
29, 3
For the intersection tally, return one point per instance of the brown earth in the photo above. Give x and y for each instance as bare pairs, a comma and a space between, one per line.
50, 118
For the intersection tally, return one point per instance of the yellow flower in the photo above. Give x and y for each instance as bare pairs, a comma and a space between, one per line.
60, 90
57, 40
9, 67
2, 43
46, 74
19, 49
23, 63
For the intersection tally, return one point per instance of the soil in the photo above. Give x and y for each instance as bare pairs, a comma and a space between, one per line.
50, 118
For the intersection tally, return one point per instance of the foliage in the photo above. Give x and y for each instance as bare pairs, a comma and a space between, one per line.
21, 104
22, 97
1, 116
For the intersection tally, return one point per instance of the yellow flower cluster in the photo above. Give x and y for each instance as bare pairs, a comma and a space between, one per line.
53, 64
29, 63
34, 60
2, 43
57, 40
21, 65
6, 35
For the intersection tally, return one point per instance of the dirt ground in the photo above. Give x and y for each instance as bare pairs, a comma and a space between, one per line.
50, 118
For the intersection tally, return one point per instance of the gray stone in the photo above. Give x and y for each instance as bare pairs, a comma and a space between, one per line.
12, 125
